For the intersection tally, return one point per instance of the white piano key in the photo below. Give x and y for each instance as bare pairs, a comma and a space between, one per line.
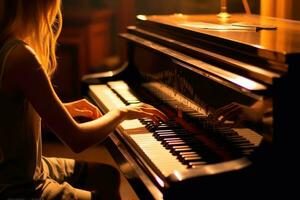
118, 84
123, 90
161, 157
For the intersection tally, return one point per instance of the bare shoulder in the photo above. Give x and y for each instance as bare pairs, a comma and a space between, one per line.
22, 55
21, 65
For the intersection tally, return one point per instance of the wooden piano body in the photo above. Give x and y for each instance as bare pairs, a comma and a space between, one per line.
187, 67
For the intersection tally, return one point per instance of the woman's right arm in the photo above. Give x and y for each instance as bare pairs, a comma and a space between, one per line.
25, 73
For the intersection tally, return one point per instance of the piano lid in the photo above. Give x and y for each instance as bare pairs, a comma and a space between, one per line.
280, 45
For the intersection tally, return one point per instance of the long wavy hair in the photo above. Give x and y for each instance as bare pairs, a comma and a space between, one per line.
37, 22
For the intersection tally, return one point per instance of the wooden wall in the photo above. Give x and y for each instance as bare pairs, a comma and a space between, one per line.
190, 6
288, 9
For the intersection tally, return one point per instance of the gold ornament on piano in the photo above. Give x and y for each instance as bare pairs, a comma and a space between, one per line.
224, 15
223, 10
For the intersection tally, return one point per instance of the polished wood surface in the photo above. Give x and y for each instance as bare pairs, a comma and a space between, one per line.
211, 68
275, 44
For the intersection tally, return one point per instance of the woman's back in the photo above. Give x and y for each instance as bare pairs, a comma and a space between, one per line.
20, 140
26, 94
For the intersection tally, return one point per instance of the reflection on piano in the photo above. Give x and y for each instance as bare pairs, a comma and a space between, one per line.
187, 73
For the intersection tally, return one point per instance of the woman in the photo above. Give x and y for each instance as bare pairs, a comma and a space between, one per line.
29, 31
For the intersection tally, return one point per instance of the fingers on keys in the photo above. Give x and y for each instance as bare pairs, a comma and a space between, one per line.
153, 113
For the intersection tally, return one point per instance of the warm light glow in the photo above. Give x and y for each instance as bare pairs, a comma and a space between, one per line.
142, 17
161, 183
178, 175
180, 15
247, 83
239, 80
223, 10
223, 15
273, 8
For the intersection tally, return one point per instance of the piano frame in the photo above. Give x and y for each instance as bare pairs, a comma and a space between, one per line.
267, 62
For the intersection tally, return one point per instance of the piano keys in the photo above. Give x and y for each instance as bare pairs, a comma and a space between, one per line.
170, 147
187, 73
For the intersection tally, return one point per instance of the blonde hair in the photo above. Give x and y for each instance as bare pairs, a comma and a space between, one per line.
37, 22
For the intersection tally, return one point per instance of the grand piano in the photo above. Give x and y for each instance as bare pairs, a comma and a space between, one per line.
188, 66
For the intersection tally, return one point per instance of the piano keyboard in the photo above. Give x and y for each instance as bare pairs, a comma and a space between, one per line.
108, 100
164, 160
168, 146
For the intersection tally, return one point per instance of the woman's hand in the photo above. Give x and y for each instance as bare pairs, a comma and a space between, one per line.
82, 108
142, 110
237, 113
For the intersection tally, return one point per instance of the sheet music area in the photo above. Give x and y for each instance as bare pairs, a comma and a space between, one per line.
187, 71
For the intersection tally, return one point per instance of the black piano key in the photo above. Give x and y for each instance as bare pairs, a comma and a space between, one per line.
133, 101
163, 132
245, 146
171, 132
177, 146
240, 141
187, 159
171, 139
146, 121
188, 153
166, 127
177, 143
197, 164
182, 140
173, 145
176, 151
163, 136
190, 156
160, 137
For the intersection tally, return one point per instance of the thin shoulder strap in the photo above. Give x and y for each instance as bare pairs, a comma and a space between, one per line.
4, 53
